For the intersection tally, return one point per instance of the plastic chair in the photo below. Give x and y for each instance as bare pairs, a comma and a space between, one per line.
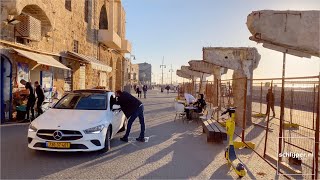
179, 110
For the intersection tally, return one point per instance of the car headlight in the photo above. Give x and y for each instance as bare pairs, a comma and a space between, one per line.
32, 128
94, 130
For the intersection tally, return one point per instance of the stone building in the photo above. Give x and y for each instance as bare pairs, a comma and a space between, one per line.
63, 44
145, 73
131, 73
135, 74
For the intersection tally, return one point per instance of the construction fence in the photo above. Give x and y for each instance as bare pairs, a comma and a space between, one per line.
281, 121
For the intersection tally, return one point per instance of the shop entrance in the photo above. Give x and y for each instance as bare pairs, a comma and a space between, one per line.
6, 88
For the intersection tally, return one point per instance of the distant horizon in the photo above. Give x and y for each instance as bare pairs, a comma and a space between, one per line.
172, 29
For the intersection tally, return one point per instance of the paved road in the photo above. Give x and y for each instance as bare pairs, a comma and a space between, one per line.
175, 150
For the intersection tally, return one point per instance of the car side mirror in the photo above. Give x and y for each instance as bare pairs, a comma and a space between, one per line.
116, 107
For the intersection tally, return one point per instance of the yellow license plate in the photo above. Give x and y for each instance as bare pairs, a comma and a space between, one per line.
58, 145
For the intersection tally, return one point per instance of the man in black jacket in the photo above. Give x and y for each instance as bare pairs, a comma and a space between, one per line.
132, 108
40, 96
31, 99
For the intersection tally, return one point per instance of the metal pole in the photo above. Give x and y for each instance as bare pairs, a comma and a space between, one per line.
206, 91
261, 98
229, 93
291, 105
313, 104
244, 110
217, 96
218, 104
282, 108
171, 70
315, 165
201, 79
162, 66
267, 129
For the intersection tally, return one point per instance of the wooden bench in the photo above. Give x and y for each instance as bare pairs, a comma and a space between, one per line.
215, 132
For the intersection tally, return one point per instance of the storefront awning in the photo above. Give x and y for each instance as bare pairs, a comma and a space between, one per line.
95, 63
41, 59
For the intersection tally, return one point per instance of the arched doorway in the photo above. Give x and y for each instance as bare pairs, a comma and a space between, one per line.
6, 88
103, 19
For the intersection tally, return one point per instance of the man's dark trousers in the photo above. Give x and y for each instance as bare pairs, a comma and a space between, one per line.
39, 104
137, 113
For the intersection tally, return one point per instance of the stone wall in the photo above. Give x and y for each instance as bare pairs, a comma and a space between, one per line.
69, 26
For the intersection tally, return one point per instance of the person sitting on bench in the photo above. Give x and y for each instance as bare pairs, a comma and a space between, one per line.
200, 104
189, 101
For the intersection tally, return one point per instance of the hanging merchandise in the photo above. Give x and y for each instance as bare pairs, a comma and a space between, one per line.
47, 84
22, 73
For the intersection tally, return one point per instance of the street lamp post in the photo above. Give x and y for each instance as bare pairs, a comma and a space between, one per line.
171, 71
162, 66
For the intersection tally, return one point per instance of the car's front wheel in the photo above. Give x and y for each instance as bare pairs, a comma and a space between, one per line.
107, 146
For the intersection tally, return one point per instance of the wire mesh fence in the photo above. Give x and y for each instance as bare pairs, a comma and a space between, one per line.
279, 120
284, 121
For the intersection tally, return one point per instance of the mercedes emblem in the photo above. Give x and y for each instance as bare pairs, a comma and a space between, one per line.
57, 135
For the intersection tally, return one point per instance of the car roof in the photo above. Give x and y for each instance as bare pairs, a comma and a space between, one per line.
100, 91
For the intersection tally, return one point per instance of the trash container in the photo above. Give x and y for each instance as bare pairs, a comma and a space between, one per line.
21, 112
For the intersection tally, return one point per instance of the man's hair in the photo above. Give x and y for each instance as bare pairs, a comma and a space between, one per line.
22, 81
36, 82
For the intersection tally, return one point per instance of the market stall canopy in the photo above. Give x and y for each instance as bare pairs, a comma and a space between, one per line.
95, 63
206, 67
293, 32
184, 75
41, 58
187, 70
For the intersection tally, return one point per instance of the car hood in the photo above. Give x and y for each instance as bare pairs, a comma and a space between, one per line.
70, 119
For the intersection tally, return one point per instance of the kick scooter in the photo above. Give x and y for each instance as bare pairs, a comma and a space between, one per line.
230, 153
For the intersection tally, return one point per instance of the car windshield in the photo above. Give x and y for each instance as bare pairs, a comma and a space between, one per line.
83, 101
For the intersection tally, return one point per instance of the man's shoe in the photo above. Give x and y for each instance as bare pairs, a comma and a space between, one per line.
140, 139
124, 139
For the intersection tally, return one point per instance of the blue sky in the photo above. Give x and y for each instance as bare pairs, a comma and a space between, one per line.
178, 29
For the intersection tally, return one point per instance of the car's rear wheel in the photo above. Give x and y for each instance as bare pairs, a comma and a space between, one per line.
124, 126
107, 146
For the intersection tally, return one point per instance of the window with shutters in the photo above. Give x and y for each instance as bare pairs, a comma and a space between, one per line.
68, 5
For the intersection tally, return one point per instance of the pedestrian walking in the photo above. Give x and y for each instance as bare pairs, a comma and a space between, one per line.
168, 88
145, 89
40, 97
138, 92
132, 108
270, 102
31, 99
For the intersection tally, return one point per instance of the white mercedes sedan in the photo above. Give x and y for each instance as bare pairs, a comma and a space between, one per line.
83, 120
